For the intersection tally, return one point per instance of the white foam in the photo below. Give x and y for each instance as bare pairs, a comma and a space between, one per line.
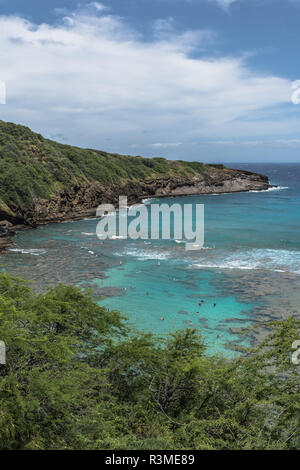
144, 254
88, 234
29, 251
216, 194
277, 188
267, 259
201, 247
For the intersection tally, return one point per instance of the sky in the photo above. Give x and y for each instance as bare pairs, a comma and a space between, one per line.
205, 80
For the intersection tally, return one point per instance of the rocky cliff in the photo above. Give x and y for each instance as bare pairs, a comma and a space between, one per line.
42, 181
79, 202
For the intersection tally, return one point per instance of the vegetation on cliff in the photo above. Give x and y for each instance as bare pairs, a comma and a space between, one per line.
78, 378
32, 167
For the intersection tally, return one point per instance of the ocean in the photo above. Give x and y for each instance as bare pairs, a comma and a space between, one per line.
248, 271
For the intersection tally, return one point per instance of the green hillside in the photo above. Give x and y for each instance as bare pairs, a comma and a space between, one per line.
32, 167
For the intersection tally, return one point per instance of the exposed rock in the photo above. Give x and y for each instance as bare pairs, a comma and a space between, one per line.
5, 233
5, 224
59, 182
5, 242
81, 202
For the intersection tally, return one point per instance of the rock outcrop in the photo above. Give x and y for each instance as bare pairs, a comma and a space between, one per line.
6, 232
43, 181
81, 202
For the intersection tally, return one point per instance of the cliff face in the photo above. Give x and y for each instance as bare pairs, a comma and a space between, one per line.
6, 233
80, 202
42, 181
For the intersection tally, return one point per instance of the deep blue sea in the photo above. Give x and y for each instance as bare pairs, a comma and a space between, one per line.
249, 269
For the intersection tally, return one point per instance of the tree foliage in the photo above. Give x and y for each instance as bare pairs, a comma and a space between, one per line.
77, 377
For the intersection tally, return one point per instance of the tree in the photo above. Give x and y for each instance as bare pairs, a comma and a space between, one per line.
77, 377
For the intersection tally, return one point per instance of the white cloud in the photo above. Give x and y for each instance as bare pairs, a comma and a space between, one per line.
99, 83
164, 145
98, 6
225, 4
256, 143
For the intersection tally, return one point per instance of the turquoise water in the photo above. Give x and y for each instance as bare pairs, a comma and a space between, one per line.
250, 266
159, 299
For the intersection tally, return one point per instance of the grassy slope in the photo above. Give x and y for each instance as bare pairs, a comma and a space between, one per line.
32, 167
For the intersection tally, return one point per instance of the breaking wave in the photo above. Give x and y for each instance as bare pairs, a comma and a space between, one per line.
144, 254
277, 188
266, 259
31, 251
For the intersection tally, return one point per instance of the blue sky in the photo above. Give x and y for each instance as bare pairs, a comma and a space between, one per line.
207, 80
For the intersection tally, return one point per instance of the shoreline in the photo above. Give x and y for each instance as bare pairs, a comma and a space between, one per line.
259, 318
8, 230
63, 183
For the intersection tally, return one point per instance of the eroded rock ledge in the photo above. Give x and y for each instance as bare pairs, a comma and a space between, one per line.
81, 201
